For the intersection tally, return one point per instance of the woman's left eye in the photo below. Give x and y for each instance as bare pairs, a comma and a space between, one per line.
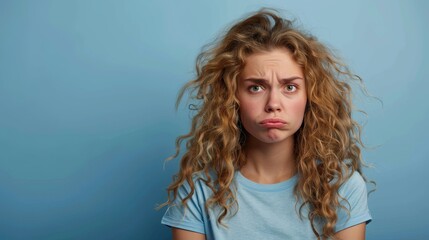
290, 88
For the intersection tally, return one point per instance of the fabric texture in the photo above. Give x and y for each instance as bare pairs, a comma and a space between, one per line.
265, 211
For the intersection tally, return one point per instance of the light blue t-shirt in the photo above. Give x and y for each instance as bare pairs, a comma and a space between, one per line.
265, 211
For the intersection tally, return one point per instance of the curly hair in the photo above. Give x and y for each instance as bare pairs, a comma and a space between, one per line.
327, 146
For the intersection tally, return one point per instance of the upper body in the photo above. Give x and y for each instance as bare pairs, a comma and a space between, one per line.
274, 126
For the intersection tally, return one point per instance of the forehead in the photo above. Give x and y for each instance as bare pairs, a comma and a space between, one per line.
279, 60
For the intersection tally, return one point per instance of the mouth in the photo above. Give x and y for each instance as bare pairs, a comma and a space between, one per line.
273, 123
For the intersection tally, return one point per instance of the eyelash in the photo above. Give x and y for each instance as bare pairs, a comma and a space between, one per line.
251, 88
290, 85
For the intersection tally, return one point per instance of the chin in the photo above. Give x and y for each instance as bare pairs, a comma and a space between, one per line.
273, 139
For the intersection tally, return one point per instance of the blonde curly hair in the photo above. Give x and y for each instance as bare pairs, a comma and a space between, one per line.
327, 146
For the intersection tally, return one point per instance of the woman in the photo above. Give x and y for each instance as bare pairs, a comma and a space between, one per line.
273, 152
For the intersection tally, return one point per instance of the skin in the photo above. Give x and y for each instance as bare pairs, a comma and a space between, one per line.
356, 232
180, 234
272, 97
271, 87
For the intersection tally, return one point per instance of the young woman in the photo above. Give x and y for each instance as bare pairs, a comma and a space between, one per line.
273, 152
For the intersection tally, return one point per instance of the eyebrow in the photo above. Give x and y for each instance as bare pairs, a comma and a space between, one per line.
283, 80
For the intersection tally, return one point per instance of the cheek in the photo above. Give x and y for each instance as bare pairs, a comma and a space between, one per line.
245, 112
248, 116
248, 108
299, 109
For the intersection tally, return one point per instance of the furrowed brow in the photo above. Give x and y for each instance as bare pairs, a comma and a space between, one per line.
262, 81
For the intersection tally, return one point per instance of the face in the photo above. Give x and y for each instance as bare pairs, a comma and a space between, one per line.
272, 96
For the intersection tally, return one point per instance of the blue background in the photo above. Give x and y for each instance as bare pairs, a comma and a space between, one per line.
87, 93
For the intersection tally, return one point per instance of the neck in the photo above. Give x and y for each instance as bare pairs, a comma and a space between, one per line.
269, 162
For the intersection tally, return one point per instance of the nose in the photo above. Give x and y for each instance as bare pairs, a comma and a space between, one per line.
273, 102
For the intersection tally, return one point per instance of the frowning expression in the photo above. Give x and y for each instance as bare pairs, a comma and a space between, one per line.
272, 96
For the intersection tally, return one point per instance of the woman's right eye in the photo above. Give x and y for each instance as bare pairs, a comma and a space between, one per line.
255, 88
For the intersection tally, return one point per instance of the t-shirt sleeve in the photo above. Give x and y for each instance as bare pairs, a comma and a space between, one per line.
355, 192
190, 218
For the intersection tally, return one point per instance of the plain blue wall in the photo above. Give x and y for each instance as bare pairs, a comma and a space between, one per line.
87, 92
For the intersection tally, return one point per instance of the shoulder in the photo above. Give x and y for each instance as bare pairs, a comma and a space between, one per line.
354, 204
190, 214
200, 189
353, 183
